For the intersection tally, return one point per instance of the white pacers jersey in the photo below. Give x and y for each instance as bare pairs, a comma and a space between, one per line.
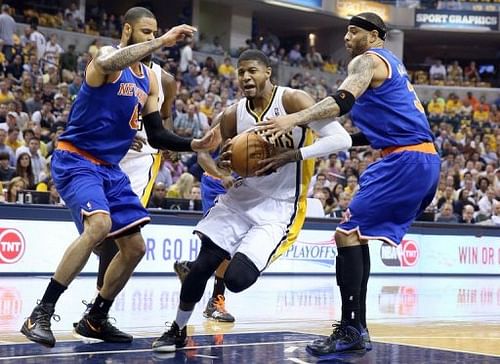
142, 167
262, 216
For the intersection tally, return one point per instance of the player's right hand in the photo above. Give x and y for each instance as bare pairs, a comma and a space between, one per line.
177, 34
224, 161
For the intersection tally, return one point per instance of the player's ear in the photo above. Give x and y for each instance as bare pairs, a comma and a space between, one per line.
269, 71
127, 31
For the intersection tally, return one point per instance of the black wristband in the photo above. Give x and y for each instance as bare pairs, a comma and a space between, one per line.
345, 100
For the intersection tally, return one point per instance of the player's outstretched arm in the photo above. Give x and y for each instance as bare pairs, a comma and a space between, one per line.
110, 60
162, 138
360, 73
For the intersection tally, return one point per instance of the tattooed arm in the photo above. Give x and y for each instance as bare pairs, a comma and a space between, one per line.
110, 61
359, 76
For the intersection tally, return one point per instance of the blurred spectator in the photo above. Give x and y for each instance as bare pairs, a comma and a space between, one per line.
7, 30
16, 185
211, 66
25, 171
182, 188
15, 69
68, 62
192, 124
75, 86
6, 171
314, 58
54, 198
471, 73
190, 78
4, 148
158, 195
13, 140
34, 103
446, 214
186, 55
5, 94
494, 220
343, 203
455, 73
467, 216
53, 51
295, 56
486, 202
196, 191
35, 39
435, 109
226, 69
437, 70
352, 185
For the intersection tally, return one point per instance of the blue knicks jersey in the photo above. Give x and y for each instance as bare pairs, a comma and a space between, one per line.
103, 120
391, 114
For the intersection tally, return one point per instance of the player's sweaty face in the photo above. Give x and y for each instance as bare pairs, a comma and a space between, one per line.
143, 30
356, 40
252, 77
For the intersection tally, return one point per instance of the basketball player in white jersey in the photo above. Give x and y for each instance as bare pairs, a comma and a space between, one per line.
142, 163
260, 217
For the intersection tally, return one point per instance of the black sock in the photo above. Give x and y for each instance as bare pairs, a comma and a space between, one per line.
107, 252
350, 267
364, 284
53, 292
100, 308
219, 287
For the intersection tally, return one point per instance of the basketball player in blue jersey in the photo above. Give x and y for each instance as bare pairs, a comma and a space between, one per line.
141, 165
394, 190
101, 127
259, 217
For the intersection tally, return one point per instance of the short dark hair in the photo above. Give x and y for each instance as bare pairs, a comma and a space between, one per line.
134, 14
254, 55
374, 19
4, 156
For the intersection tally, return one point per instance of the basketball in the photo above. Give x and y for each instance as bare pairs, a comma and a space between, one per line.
247, 150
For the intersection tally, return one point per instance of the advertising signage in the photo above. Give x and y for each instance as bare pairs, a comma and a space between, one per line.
450, 19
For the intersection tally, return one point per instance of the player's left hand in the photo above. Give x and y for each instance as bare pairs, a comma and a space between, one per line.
138, 143
278, 159
209, 141
275, 127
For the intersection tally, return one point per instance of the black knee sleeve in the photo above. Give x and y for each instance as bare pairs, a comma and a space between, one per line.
210, 257
241, 273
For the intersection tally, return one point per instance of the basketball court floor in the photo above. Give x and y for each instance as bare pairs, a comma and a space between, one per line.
412, 319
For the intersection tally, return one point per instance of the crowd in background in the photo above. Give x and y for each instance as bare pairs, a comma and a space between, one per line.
39, 80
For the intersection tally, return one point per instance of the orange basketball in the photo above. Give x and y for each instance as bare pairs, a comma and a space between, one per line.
247, 150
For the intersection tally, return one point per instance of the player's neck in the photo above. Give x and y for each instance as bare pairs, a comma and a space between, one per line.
260, 103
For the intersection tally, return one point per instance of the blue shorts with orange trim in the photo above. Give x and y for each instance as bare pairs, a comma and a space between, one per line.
393, 192
88, 188
210, 188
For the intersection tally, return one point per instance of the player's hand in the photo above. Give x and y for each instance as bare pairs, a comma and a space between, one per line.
177, 34
278, 159
224, 161
138, 143
209, 141
227, 181
275, 127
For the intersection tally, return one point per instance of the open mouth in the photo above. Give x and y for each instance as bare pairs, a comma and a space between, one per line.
249, 87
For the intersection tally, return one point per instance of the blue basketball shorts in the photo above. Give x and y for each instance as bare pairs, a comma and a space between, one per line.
393, 192
210, 188
88, 188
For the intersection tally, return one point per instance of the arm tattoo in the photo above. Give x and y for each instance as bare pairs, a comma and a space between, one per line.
325, 109
359, 75
124, 57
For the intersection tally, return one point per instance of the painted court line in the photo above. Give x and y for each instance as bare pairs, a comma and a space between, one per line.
56, 355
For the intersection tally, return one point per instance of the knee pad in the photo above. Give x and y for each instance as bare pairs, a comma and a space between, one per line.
210, 257
241, 273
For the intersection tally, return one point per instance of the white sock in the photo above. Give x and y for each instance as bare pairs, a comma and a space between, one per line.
182, 318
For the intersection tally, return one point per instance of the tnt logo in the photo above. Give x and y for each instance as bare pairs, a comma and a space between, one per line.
409, 253
11, 246
405, 255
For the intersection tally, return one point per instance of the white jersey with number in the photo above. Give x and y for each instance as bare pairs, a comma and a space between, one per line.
142, 167
262, 216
